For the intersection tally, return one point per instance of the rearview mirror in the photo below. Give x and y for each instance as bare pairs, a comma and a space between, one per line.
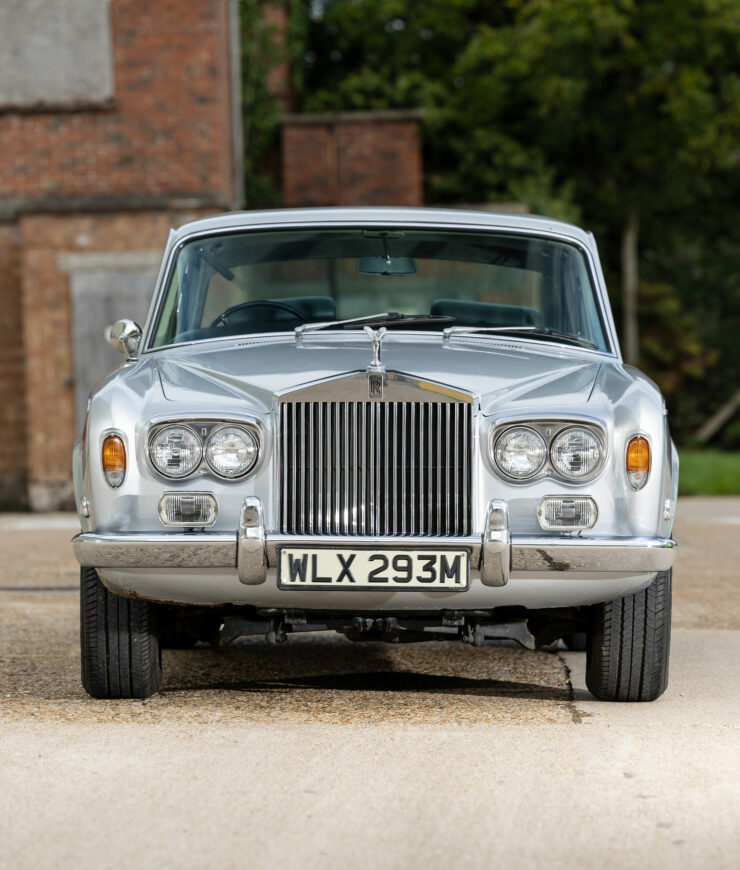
386, 266
125, 336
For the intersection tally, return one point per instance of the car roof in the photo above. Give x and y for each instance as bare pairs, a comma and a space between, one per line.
448, 217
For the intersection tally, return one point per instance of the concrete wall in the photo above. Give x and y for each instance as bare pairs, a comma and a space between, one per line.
55, 52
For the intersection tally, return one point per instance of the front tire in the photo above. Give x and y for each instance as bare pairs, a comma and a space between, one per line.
119, 642
629, 644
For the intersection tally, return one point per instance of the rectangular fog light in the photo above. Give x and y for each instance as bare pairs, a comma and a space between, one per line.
567, 514
188, 509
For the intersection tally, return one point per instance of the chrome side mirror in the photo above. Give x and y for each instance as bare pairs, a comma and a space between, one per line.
125, 336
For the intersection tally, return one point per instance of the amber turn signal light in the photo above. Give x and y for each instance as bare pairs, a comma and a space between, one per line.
114, 459
637, 461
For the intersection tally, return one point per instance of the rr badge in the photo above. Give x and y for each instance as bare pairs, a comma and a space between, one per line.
375, 386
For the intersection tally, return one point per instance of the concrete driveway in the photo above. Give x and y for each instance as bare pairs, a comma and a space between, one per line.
322, 753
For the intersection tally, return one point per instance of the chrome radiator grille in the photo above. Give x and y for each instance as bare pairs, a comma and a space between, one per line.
375, 468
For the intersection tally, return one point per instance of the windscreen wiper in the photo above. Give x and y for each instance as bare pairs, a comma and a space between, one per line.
534, 331
386, 318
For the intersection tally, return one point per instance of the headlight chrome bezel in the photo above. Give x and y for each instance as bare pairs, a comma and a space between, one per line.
203, 429
548, 430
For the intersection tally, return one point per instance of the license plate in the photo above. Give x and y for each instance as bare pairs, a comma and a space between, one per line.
321, 568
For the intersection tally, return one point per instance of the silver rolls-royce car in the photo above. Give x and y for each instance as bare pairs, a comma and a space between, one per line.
397, 424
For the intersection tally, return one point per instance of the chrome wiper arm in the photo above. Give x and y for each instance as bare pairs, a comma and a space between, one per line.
387, 317
312, 327
534, 331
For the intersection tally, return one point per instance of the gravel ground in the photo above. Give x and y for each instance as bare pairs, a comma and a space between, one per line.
319, 752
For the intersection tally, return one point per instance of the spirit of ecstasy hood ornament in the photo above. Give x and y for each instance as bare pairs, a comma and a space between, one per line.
376, 337
376, 369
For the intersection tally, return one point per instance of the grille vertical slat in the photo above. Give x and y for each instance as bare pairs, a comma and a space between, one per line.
430, 470
456, 449
355, 491
294, 472
395, 528
438, 493
371, 474
375, 468
363, 454
412, 449
311, 466
284, 477
377, 477
465, 461
418, 470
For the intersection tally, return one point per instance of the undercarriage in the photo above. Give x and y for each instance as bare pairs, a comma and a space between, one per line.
529, 628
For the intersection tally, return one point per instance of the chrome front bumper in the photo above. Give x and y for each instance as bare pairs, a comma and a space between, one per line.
253, 550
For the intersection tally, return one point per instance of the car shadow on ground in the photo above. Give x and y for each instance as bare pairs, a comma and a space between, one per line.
389, 681
332, 664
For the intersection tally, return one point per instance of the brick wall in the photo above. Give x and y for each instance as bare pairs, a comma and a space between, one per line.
12, 373
352, 158
167, 131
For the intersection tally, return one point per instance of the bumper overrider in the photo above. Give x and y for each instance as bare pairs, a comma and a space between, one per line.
253, 550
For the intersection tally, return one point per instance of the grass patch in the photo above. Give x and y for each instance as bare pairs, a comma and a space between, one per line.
709, 472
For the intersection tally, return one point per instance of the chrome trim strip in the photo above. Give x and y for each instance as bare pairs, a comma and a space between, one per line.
156, 550
598, 554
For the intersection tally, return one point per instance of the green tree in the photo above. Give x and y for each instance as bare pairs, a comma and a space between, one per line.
632, 103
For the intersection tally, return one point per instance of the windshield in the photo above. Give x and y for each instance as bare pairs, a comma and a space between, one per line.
257, 282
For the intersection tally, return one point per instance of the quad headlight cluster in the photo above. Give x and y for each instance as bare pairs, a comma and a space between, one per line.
573, 452
228, 450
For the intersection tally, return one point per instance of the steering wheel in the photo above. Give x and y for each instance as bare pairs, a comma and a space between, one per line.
264, 303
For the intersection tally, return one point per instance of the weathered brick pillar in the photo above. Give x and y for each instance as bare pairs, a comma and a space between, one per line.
352, 158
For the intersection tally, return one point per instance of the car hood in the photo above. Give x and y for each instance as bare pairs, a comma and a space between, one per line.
500, 373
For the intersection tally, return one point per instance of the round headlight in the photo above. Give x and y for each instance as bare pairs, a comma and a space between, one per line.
520, 452
175, 451
575, 453
231, 451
